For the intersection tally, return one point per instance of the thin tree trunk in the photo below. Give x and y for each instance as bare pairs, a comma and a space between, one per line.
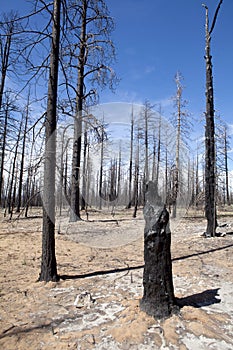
226, 166
14, 193
61, 176
146, 142
101, 167
131, 162
158, 150
13, 177
3, 151
197, 181
75, 184
175, 188
5, 60
136, 179
210, 156
118, 192
84, 177
22, 159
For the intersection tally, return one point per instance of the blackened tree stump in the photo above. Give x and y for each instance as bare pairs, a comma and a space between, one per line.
158, 297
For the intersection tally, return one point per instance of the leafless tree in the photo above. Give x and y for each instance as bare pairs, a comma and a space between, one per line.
131, 161
89, 51
48, 259
210, 152
182, 127
22, 161
6, 34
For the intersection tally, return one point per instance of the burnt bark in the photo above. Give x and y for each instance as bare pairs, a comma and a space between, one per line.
22, 159
3, 148
131, 162
210, 156
158, 297
5, 50
226, 166
48, 259
80, 97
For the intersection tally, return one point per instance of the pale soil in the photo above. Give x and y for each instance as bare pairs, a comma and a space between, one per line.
105, 258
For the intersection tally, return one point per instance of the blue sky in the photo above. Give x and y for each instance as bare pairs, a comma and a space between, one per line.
156, 38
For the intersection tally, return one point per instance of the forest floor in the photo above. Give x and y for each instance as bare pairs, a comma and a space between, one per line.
101, 261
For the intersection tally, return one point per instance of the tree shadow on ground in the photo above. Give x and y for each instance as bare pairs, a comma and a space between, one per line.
206, 298
202, 253
130, 268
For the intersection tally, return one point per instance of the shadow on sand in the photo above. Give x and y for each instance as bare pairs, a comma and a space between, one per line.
206, 298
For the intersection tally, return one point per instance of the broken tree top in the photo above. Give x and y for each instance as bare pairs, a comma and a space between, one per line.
155, 214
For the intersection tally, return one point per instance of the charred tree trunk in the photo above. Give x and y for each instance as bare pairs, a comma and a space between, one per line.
136, 178
131, 162
101, 167
226, 166
48, 260
75, 185
158, 149
22, 160
11, 197
119, 176
175, 188
84, 184
158, 297
5, 50
3, 148
210, 157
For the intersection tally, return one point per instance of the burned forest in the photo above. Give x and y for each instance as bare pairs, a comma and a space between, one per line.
116, 183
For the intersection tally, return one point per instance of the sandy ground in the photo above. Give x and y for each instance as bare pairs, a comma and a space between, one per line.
102, 260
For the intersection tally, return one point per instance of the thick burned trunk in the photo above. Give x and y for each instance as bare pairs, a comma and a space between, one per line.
48, 259
158, 298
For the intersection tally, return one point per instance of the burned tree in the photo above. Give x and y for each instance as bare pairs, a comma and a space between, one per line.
88, 54
48, 259
158, 298
183, 126
6, 33
210, 156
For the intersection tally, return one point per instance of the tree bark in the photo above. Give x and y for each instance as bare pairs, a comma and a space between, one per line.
5, 49
48, 260
131, 162
3, 148
210, 157
226, 166
158, 298
75, 186
22, 159
11, 196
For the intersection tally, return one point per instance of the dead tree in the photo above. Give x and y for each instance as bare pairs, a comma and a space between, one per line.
94, 52
136, 173
158, 148
48, 259
158, 297
5, 48
210, 156
12, 187
3, 148
182, 126
226, 148
22, 157
131, 161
